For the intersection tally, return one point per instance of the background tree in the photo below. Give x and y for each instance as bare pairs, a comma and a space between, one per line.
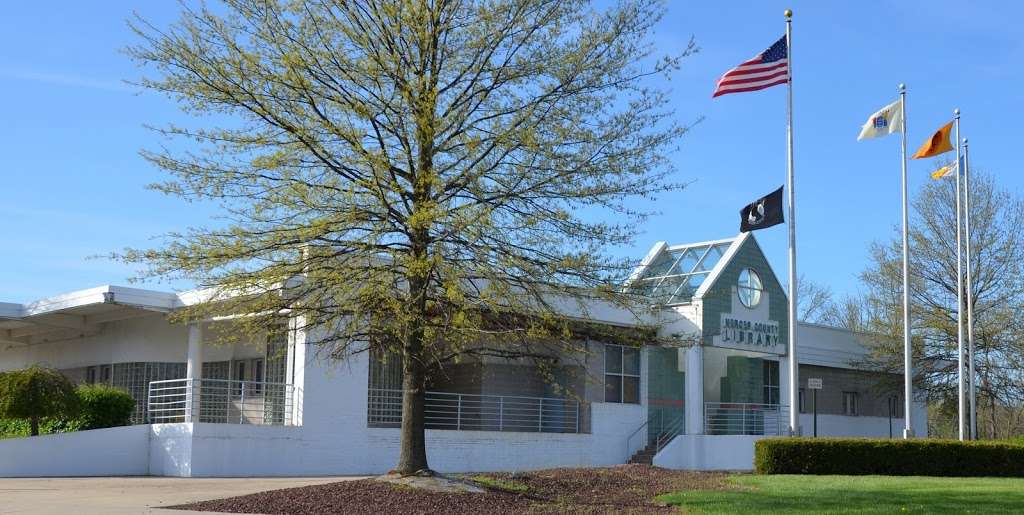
997, 239
425, 178
816, 302
36, 393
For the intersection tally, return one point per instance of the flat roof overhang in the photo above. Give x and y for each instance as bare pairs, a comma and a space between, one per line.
78, 314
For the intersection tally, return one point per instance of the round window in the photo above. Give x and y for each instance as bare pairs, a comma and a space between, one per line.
749, 288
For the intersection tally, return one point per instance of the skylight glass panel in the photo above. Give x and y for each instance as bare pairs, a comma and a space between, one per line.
677, 273
688, 260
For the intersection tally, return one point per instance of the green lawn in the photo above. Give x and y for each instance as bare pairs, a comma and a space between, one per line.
855, 494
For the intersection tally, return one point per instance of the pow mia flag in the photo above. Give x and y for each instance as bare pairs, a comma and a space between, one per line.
763, 212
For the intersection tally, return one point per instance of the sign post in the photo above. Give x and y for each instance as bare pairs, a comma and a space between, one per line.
814, 384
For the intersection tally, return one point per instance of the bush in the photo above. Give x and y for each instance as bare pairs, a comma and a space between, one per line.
888, 457
13, 428
98, 406
103, 406
36, 393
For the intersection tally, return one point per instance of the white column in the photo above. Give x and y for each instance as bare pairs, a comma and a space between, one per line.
296, 368
194, 371
694, 390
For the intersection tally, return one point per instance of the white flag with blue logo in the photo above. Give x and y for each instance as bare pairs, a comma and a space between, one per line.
886, 121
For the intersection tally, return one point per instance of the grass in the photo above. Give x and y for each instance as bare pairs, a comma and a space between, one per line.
500, 484
854, 494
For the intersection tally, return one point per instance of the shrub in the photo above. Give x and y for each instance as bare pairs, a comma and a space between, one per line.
99, 406
103, 406
36, 393
888, 457
13, 428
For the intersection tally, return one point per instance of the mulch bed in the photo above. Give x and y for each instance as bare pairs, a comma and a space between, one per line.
620, 489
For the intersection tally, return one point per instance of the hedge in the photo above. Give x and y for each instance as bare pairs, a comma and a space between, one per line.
854, 456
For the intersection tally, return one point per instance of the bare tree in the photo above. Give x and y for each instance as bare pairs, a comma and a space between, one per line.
997, 240
816, 303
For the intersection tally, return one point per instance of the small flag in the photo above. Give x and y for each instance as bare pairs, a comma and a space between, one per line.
937, 144
886, 121
763, 212
945, 171
767, 69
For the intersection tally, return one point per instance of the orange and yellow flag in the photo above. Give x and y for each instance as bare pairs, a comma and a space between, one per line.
937, 144
945, 171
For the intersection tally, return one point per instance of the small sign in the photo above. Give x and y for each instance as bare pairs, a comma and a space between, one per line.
814, 383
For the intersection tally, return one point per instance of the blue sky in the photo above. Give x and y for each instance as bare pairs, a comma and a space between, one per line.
73, 183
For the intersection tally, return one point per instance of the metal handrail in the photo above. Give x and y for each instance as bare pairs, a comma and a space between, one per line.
221, 401
675, 428
475, 412
643, 427
664, 435
744, 418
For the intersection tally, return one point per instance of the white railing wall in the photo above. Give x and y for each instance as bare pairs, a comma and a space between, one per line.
470, 412
221, 401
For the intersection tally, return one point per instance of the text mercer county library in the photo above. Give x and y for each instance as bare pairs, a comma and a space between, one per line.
272, 407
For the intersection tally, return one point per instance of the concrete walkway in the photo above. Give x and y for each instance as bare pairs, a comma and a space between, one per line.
131, 495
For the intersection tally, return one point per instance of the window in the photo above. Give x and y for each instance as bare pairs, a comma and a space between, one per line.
621, 374
850, 403
749, 288
90, 375
770, 371
249, 371
803, 402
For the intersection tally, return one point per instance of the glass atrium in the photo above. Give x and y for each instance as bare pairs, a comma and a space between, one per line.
676, 273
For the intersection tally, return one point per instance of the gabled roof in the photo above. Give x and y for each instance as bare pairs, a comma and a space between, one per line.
678, 274
737, 243
674, 274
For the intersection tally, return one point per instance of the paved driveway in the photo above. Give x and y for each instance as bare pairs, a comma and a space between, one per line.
124, 495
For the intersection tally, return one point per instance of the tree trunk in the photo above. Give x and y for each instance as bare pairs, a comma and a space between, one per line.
993, 434
412, 458
413, 455
34, 424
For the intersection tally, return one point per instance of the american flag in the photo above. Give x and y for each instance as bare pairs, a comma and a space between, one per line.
767, 69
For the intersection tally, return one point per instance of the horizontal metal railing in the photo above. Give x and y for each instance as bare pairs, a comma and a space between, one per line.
469, 412
220, 401
740, 418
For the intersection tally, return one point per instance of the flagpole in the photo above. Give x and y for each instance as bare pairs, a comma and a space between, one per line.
959, 293
908, 387
970, 294
794, 370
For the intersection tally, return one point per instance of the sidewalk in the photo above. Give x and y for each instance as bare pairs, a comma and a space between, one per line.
131, 495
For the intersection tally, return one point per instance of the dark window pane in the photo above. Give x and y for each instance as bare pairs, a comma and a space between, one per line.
631, 361
631, 390
612, 388
612, 359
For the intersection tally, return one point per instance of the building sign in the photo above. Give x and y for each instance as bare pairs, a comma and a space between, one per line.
814, 383
753, 335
